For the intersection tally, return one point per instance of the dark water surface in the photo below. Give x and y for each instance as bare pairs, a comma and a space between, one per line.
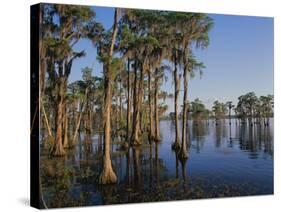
223, 161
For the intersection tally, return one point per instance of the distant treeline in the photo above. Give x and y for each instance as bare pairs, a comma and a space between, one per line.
249, 108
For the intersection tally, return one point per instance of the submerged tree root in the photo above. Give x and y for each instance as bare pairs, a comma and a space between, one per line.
135, 142
107, 176
57, 151
157, 139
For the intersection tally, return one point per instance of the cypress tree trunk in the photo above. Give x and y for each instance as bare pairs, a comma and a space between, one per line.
156, 114
73, 116
107, 175
87, 117
47, 122
90, 118
128, 103
176, 144
42, 52
183, 150
65, 140
120, 107
78, 123
136, 115
116, 115
140, 101
57, 149
151, 134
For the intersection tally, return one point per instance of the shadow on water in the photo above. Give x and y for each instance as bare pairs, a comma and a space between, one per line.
224, 160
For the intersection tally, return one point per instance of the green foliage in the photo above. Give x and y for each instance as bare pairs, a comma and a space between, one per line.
199, 111
115, 66
194, 65
219, 109
246, 104
87, 74
77, 13
249, 105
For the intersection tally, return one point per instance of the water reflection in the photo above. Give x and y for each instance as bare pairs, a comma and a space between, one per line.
199, 131
224, 160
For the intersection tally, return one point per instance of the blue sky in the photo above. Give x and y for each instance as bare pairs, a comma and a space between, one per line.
239, 58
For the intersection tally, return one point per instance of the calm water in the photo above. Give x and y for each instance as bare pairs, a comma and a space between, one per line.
223, 161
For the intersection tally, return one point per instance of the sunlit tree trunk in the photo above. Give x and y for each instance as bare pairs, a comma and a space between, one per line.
78, 123
107, 175
51, 138
116, 114
146, 117
57, 149
136, 114
140, 102
141, 117
74, 111
65, 140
